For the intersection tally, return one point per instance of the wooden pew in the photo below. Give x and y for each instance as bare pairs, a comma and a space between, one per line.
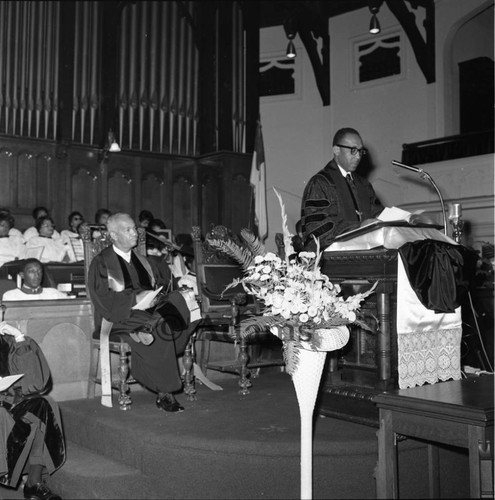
63, 330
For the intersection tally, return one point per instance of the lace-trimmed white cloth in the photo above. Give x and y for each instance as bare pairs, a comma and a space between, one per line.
428, 344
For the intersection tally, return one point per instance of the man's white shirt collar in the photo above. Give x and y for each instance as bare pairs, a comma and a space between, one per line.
343, 172
124, 255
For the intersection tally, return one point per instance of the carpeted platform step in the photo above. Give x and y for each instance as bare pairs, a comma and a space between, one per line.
230, 446
87, 475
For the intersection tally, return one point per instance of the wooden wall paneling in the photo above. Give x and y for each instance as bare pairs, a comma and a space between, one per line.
136, 188
28, 195
168, 201
152, 186
240, 201
241, 191
211, 193
120, 191
8, 174
44, 168
151, 194
84, 192
184, 188
211, 197
121, 183
235, 196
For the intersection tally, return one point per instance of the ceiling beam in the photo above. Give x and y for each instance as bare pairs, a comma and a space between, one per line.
424, 48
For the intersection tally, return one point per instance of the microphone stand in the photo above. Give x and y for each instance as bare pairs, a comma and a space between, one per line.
426, 175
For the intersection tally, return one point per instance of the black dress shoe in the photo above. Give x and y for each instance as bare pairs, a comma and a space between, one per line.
168, 402
39, 491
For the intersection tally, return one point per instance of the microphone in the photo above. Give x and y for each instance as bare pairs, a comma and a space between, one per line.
403, 165
426, 175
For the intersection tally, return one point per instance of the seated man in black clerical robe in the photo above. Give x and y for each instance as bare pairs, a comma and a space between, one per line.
119, 278
31, 434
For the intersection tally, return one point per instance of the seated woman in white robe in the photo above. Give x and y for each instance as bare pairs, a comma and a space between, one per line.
11, 245
38, 212
72, 234
53, 250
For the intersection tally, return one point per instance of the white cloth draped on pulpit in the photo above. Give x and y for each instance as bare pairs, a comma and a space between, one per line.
428, 343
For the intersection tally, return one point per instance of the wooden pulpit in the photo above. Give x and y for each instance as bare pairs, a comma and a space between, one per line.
367, 365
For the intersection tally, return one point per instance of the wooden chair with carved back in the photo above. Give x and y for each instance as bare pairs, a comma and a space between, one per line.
95, 239
222, 311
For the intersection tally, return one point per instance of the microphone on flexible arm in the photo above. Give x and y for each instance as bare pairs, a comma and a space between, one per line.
426, 175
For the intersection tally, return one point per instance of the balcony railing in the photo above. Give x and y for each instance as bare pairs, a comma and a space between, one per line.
448, 148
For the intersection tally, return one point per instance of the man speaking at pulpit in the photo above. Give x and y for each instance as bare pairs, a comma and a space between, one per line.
337, 199
341, 210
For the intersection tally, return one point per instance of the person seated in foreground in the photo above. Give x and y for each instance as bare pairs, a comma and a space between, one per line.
31, 433
33, 230
32, 276
11, 245
54, 250
72, 235
119, 280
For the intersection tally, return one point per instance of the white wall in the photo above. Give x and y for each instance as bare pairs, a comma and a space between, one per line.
297, 132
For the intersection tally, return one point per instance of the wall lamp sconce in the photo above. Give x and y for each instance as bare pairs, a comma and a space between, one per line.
111, 146
92, 176
374, 23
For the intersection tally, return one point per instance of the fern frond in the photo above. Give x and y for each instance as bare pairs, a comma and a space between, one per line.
242, 255
290, 352
257, 324
253, 242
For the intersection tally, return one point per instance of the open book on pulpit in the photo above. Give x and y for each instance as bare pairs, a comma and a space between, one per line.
390, 216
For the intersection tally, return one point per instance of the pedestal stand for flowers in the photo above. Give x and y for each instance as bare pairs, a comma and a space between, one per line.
306, 379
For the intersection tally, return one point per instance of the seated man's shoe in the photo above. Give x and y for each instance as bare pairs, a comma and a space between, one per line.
39, 491
168, 402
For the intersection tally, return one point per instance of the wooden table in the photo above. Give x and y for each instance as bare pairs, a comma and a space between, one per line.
458, 413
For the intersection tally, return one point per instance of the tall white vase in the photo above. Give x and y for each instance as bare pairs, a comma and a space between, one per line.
306, 379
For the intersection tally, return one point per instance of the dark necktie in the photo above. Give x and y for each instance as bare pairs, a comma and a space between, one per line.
354, 194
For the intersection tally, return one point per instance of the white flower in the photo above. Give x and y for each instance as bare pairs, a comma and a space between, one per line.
307, 255
259, 259
303, 318
277, 300
312, 311
270, 256
285, 314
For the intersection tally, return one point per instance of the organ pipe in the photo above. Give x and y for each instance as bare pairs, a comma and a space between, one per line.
157, 84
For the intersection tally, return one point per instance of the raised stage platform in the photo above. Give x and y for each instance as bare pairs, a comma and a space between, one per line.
229, 446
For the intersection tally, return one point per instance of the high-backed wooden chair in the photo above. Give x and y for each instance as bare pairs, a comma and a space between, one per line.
94, 241
222, 311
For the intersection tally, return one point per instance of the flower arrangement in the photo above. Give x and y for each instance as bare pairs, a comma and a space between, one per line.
299, 303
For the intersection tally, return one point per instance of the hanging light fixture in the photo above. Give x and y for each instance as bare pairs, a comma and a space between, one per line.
291, 49
114, 147
111, 146
290, 32
374, 23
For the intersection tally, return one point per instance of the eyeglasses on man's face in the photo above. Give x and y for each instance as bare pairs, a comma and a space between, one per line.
354, 150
